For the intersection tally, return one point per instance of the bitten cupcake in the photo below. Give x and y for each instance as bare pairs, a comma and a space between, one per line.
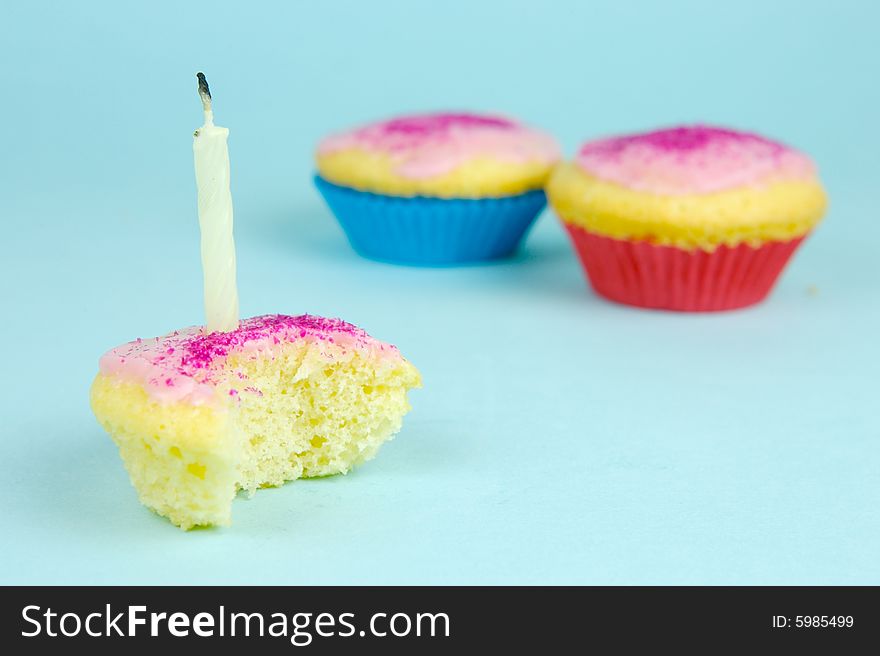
199, 415
692, 218
436, 189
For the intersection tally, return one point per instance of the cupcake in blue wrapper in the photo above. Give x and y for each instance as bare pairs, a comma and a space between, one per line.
436, 189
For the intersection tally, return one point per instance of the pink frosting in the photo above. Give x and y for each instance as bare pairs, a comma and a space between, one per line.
187, 365
428, 145
692, 160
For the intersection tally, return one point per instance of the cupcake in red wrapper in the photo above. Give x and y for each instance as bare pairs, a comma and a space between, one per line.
691, 218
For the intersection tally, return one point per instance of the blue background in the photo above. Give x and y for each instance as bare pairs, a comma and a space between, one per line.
558, 438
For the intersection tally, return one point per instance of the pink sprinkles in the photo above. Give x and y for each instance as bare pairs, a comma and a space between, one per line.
692, 159
175, 362
425, 145
407, 133
200, 351
679, 139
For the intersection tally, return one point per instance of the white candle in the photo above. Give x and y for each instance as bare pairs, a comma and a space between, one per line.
215, 219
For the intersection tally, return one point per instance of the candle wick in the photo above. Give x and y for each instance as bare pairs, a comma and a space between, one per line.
205, 95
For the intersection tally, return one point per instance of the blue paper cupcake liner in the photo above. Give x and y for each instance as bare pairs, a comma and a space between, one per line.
429, 231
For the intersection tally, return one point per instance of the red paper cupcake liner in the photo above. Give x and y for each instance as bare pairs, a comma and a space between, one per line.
665, 277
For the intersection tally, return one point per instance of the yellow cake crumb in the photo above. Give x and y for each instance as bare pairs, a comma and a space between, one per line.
304, 414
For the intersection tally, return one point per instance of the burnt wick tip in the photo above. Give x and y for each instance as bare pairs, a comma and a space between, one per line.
203, 85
